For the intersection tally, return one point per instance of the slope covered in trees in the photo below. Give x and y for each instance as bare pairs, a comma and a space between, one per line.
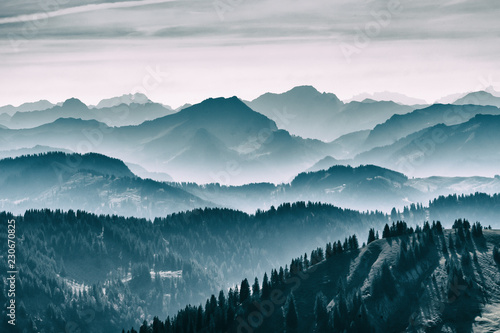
422, 279
122, 270
91, 182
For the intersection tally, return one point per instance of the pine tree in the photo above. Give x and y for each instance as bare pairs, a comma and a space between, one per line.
355, 243
320, 314
371, 236
387, 232
256, 288
291, 319
266, 288
222, 300
244, 291
496, 254
281, 277
450, 243
144, 327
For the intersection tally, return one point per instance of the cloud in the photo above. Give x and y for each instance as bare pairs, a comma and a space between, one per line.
78, 9
94, 50
260, 19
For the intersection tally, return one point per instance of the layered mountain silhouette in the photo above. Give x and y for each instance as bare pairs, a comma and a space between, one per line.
364, 187
127, 113
466, 148
400, 126
103, 184
479, 98
92, 182
26, 107
35, 150
127, 99
208, 142
306, 112
389, 96
226, 190
224, 140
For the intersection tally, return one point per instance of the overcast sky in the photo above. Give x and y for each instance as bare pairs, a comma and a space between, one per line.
185, 51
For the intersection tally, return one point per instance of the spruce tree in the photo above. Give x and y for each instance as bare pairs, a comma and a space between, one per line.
387, 232
244, 291
266, 287
256, 288
371, 236
291, 319
320, 314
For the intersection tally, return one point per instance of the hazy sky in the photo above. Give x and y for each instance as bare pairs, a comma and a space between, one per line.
185, 51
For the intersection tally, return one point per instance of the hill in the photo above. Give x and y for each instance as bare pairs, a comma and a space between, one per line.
421, 279
92, 182
35, 150
75, 264
366, 187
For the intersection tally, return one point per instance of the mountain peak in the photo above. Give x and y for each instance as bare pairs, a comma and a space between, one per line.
221, 103
74, 103
479, 98
137, 98
304, 90
388, 96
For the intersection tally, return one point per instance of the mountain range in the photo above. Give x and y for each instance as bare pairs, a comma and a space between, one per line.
306, 112
479, 98
100, 184
129, 213
389, 96
465, 148
224, 140
114, 115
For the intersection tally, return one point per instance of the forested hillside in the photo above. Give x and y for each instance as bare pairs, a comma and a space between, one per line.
418, 280
124, 269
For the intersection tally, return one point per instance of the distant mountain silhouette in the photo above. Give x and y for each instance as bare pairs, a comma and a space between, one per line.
223, 140
92, 181
468, 148
233, 136
298, 109
26, 107
349, 145
364, 187
145, 174
324, 164
308, 113
357, 116
201, 143
399, 126
30, 151
127, 99
388, 96
479, 98
129, 113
